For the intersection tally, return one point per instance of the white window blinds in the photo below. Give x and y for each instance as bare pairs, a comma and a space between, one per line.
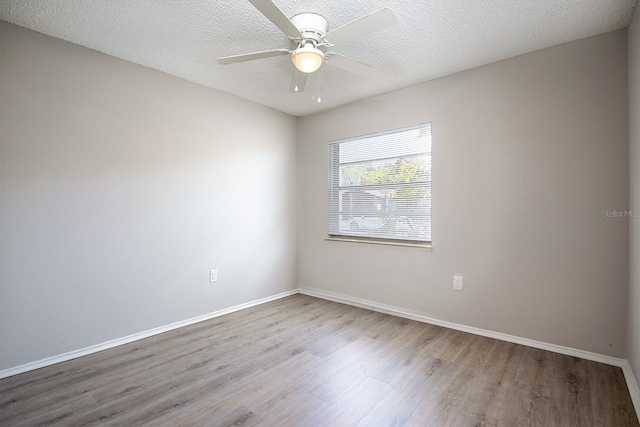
380, 186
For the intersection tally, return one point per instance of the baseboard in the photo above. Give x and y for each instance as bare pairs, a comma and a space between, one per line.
420, 317
135, 337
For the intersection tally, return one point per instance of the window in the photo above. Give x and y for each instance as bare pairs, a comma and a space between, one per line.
380, 186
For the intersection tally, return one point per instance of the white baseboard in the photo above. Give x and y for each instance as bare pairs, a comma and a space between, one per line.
632, 385
135, 337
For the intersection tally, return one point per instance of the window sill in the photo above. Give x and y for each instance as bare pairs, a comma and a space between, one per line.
380, 242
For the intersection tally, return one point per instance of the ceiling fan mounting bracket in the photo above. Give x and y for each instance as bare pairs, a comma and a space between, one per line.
312, 26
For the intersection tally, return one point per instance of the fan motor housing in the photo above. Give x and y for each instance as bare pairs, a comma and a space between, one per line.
311, 25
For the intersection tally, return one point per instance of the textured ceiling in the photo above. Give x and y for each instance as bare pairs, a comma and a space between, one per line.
433, 38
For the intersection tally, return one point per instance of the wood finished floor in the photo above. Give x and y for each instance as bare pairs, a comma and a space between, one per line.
303, 361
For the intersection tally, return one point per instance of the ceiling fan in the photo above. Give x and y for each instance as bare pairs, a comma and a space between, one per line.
309, 34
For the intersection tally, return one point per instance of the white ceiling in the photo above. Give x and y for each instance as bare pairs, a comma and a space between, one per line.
433, 38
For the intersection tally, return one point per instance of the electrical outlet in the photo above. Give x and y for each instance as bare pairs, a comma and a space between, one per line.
213, 276
457, 283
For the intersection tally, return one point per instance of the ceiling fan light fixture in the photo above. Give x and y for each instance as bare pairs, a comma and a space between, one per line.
307, 58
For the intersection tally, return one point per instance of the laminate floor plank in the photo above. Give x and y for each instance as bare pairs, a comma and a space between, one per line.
401, 402
528, 404
247, 391
305, 336
354, 405
616, 409
406, 360
155, 400
345, 331
447, 395
479, 403
265, 390
538, 389
304, 361
296, 409
241, 417
332, 387
501, 385
63, 414
312, 377
580, 388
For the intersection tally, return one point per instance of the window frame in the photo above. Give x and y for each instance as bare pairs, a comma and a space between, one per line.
333, 190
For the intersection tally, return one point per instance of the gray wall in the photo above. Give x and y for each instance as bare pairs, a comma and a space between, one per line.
528, 152
121, 187
633, 40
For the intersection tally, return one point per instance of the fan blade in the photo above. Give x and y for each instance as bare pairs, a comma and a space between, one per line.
275, 15
251, 56
298, 80
374, 21
351, 65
